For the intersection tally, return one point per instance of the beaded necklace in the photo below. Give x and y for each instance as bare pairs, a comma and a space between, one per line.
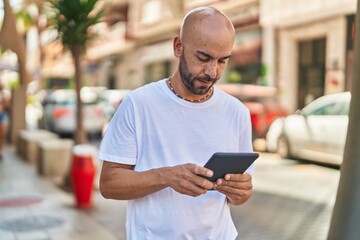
206, 97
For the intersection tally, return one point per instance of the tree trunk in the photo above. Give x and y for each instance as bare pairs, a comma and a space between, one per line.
80, 135
10, 39
346, 215
17, 112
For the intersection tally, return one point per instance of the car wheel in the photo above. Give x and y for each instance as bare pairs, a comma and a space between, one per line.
283, 147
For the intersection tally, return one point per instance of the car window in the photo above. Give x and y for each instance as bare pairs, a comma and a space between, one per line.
327, 109
68, 97
342, 108
89, 97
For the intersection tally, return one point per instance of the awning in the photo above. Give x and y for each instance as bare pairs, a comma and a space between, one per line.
108, 49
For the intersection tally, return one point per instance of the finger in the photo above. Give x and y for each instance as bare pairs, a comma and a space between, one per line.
190, 183
232, 186
232, 190
238, 185
239, 177
233, 193
203, 171
191, 189
198, 177
237, 198
203, 183
225, 191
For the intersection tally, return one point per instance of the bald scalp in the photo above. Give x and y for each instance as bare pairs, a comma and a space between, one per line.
193, 20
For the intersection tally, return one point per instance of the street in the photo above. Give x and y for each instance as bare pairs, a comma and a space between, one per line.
292, 200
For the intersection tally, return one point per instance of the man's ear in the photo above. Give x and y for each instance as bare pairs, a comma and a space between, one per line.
177, 46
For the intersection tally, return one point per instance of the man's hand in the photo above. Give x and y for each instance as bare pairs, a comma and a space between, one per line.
237, 187
185, 179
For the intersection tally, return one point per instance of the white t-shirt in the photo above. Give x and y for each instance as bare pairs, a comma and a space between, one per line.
153, 128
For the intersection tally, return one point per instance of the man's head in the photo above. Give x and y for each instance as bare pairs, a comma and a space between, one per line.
203, 48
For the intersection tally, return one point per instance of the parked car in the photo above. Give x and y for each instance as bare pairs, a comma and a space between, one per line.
59, 111
317, 132
262, 103
110, 100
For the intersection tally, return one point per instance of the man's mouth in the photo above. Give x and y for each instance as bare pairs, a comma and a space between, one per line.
206, 80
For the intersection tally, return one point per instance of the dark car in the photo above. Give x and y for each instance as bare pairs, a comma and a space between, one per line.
262, 103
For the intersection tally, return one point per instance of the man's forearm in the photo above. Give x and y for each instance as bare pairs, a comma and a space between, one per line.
125, 184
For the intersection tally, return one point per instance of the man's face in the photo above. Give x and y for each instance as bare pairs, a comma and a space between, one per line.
203, 55
189, 79
202, 70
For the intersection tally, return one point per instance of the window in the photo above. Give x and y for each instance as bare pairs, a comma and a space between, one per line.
245, 63
158, 70
327, 109
154, 11
336, 108
151, 12
342, 108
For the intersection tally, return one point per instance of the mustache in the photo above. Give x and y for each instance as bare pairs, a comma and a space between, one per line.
206, 79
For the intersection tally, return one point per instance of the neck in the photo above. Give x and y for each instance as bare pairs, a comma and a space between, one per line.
202, 99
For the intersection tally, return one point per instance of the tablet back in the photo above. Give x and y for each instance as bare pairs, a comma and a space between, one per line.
223, 163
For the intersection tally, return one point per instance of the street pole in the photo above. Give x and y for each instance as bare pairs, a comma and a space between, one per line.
345, 220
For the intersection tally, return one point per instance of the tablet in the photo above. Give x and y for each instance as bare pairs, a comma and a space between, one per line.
222, 163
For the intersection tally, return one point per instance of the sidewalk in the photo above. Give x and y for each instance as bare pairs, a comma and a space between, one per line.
291, 201
34, 208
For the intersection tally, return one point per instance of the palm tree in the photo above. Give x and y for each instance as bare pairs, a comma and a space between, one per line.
72, 19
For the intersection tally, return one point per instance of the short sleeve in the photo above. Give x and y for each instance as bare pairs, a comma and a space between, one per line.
246, 138
119, 142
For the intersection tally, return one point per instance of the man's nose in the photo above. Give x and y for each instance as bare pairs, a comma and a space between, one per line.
211, 69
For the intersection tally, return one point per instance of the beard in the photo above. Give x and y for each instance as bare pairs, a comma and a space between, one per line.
188, 79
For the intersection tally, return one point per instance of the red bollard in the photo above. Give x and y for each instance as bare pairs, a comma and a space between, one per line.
82, 173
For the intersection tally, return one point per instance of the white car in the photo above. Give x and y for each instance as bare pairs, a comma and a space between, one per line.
317, 132
110, 100
59, 111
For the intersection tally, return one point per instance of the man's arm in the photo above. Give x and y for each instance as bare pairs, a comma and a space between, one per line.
120, 181
237, 187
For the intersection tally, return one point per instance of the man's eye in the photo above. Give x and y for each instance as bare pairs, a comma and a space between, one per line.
203, 59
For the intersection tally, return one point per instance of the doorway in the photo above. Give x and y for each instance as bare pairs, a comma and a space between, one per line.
312, 56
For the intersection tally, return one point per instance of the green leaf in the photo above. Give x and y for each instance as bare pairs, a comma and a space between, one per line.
72, 19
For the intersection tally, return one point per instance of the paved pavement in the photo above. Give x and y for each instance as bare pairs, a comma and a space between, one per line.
35, 208
292, 201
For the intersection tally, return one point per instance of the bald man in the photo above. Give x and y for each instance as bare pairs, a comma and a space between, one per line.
163, 133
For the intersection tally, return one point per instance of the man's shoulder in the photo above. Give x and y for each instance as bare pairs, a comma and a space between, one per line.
148, 87
147, 91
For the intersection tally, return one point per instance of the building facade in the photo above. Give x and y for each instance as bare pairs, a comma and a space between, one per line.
308, 45
136, 45
304, 48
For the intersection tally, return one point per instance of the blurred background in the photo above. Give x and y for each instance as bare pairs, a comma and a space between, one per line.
287, 54
291, 66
